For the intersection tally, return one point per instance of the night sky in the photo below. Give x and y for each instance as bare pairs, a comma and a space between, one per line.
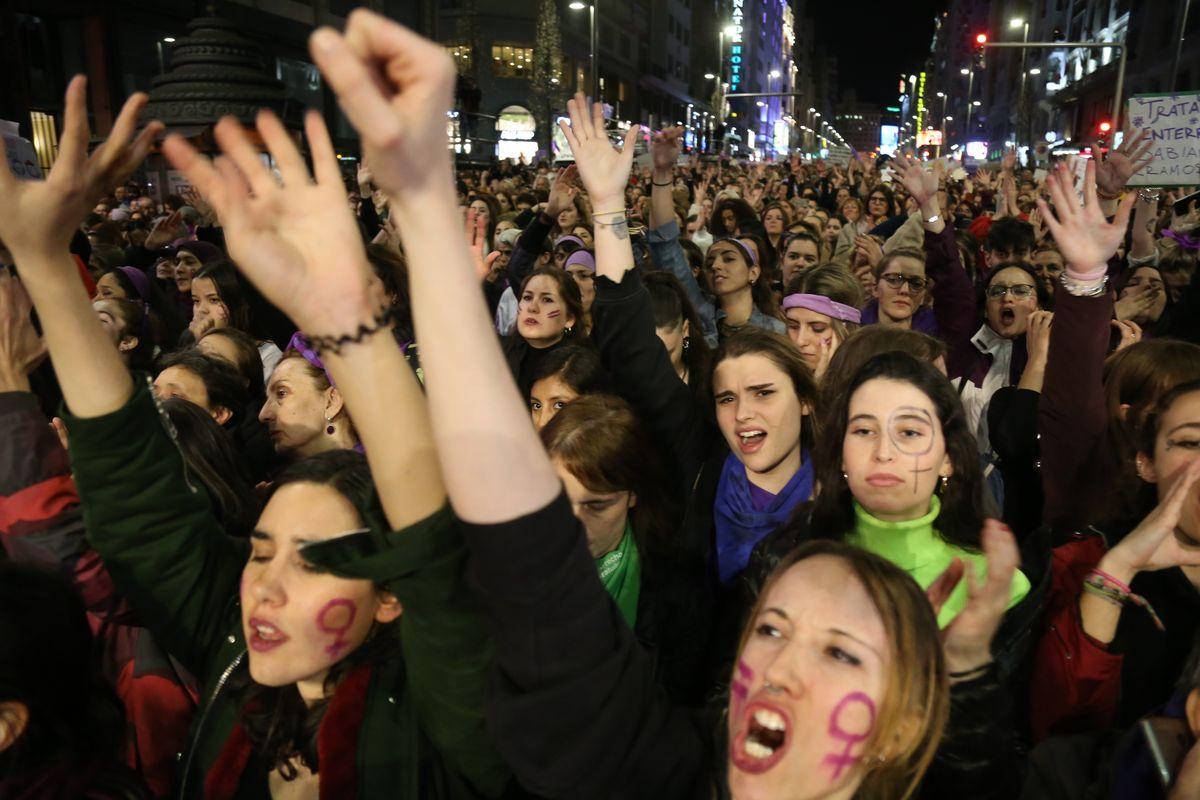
876, 41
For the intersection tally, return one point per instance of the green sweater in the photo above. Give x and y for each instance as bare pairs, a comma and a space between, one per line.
916, 548
423, 731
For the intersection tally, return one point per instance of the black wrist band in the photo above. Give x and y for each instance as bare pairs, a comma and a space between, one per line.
334, 344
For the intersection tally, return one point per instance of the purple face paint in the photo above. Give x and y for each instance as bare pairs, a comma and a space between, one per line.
740, 690
841, 762
336, 617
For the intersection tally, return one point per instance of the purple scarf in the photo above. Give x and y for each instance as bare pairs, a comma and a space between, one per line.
740, 524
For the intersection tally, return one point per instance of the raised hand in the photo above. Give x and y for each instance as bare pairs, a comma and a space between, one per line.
665, 148
603, 168
21, 349
1153, 544
477, 243
1115, 170
396, 88
1009, 162
165, 231
921, 183
967, 639
872, 252
297, 241
1085, 238
1037, 335
562, 193
41, 216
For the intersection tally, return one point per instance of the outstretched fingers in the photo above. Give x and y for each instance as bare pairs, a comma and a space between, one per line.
282, 149
72, 145
199, 171
320, 147
236, 145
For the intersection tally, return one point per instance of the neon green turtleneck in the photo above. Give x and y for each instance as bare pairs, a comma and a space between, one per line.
916, 548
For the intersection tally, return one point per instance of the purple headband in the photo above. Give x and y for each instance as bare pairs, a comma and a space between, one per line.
1185, 242
300, 343
823, 305
563, 239
740, 245
139, 280
583, 258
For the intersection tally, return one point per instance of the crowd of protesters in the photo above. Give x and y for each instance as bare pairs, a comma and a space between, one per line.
685, 479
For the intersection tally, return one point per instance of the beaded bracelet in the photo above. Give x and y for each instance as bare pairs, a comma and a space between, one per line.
334, 344
1082, 289
1098, 583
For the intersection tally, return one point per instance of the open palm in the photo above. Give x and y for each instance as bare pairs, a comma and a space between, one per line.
1085, 238
297, 241
603, 169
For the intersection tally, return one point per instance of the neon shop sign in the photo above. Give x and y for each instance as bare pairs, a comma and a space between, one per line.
735, 48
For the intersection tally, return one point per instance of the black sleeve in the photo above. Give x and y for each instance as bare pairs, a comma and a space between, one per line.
525, 254
1013, 435
1184, 320
889, 226
623, 330
980, 756
368, 219
574, 707
492, 292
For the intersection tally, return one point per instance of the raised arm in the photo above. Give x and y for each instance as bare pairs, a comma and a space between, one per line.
953, 294
1072, 406
557, 633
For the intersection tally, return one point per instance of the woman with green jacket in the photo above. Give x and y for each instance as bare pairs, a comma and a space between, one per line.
363, 675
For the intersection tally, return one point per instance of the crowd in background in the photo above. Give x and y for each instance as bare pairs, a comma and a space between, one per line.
675, 477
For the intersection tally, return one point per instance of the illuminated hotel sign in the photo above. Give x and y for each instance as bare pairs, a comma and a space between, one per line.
735, 48
920, 99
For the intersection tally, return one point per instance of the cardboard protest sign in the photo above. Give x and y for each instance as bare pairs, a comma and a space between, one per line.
1174, 124
21, 157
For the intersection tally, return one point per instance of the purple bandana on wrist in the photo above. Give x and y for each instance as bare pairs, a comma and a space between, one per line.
823, 305
1185, 242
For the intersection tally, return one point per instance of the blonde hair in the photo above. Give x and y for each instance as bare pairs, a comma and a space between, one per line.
916, 697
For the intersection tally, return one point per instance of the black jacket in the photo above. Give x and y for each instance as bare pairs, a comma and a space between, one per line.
1013, 434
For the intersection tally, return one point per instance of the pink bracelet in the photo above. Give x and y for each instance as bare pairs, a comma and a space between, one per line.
1124, 587
1088, 277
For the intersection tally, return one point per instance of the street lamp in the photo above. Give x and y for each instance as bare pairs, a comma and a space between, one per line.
1023, 24
591, 7
1035, 71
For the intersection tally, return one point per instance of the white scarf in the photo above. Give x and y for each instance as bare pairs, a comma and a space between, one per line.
976, 398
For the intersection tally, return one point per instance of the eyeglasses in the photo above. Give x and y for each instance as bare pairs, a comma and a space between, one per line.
997, 290
915, 282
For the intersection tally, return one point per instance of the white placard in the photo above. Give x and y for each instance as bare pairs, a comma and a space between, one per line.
1174, 124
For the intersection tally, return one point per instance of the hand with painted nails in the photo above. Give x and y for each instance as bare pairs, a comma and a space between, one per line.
967, 640
294, 238
396, 88
41, 216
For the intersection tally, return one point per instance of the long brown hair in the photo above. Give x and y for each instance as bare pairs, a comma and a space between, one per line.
916, 699
779, 350
568, 292
602, 443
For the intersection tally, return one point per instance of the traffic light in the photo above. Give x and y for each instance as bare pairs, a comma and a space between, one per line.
1105, 126
981, 39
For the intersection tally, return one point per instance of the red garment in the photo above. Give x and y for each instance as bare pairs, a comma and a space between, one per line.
1076, 679
41, 521
85, 276
337, 745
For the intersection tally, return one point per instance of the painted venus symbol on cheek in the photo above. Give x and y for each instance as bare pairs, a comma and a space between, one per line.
840, 762
336, 617
906, 449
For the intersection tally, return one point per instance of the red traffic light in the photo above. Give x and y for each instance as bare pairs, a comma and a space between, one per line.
1105, 126
981, 39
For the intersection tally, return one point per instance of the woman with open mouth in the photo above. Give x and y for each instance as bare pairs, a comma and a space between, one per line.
838, 688
314, 679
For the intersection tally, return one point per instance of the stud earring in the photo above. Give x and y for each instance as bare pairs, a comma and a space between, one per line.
945, 480
329, 429
687, 340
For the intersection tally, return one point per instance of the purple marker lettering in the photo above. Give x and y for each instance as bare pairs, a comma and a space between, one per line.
844, 760
336, 617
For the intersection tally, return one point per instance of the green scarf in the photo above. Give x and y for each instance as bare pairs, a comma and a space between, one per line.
621, 573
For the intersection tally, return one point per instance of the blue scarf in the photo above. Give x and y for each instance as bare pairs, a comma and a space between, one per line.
739, 524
